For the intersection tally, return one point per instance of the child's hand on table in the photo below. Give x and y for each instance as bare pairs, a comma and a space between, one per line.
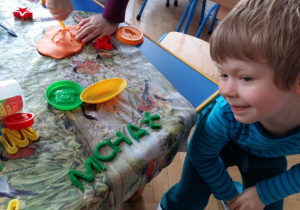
94, 27
248, 200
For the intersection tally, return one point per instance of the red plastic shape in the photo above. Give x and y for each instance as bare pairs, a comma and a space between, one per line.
23, 13
104, 42
19, 121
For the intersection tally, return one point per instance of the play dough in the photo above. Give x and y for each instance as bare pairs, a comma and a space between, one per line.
93, 162
59, 43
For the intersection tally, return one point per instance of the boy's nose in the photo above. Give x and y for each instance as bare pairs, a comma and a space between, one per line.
228, 88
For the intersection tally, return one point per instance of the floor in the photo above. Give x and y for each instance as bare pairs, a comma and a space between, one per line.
156, 20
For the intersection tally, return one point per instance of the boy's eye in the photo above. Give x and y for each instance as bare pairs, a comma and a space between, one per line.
246, 79
223, 75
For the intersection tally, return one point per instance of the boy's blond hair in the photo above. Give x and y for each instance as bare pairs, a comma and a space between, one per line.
265, 29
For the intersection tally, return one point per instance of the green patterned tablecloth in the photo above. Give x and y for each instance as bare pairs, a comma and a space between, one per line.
40, 179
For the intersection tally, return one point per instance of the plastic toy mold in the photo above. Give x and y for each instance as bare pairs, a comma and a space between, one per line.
19, 121
23, 13
64, 95
14, 205
104, 42
12, 139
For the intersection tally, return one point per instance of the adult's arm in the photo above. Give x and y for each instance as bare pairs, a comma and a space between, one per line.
115, 10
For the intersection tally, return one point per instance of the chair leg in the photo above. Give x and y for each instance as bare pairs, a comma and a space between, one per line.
190, 16
214, 19
168, 3
162, 37
206, 18
202, 11
184, 15
138, 17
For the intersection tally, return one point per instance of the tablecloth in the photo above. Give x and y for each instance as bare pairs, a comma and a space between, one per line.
39, 174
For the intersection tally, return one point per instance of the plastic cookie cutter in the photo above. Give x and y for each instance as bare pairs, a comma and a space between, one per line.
19, 121
18, 132
104, 42
14, 205
12, 139
23, 13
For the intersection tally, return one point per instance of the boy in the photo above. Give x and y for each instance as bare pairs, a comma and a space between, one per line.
256, 121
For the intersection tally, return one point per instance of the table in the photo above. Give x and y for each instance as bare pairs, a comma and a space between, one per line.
186, 80
225, 7
39, 174
229, 4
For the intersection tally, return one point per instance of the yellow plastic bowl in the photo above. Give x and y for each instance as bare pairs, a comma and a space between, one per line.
103, 91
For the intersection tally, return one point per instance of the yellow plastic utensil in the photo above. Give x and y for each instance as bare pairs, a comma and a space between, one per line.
14, 205
103, 91
62, 25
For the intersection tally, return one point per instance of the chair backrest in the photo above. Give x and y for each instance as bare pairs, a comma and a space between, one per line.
193, 51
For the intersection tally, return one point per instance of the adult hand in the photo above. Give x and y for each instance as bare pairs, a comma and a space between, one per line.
248, 200
94, 27
60, 9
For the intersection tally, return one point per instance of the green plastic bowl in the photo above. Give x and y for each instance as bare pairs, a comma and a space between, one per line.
64, 95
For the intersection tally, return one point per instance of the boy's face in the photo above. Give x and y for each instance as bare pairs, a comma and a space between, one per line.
249, 89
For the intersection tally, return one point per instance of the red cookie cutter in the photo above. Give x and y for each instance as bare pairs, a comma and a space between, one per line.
19, 121
104, 42
23, 13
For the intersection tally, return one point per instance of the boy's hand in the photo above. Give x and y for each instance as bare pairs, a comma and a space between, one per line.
94, 27
248, 200
60, 9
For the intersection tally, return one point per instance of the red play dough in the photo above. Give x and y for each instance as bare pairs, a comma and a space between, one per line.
59, 43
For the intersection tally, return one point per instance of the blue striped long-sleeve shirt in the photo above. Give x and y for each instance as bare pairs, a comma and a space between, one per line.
215, 127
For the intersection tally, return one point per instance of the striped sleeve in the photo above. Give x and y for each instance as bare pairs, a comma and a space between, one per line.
206, 143
279, 187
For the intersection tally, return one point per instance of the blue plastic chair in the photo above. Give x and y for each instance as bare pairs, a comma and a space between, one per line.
189, 13
138, 17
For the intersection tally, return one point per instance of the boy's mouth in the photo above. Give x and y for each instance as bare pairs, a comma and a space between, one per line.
238, 108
